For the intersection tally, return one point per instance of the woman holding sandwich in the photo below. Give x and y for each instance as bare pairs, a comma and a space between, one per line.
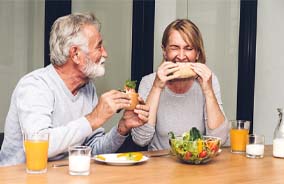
183, 93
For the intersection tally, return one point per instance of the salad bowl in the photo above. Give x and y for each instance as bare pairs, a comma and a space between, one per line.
198, 151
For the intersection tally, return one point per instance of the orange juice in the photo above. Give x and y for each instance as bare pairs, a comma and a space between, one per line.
238, 139
36, 154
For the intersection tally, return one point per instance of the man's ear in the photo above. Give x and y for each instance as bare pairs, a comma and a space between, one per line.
74, 54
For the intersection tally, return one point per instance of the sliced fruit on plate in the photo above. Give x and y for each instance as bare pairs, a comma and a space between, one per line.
100, 157
135, 156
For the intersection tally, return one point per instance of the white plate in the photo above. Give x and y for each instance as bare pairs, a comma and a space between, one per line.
112, 159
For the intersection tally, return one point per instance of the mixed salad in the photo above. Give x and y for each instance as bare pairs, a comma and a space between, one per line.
192, 147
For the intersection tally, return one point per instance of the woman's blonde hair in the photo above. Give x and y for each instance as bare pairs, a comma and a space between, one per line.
190, 33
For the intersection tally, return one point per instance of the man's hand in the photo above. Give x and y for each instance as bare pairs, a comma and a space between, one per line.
107, 106
132, 119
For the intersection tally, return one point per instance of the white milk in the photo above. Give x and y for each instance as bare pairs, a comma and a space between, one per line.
278, 147
79, 164
255, 149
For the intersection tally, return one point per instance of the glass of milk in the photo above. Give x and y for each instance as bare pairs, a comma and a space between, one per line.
255, 146
79, 160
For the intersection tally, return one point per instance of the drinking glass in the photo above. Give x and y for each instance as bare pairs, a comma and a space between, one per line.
238, 135
36, 149
79, 160
255, 146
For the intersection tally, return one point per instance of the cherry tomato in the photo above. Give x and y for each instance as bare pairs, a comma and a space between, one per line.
202, 154
187, 155
214, 148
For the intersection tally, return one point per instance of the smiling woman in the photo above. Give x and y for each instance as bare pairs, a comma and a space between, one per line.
218, 22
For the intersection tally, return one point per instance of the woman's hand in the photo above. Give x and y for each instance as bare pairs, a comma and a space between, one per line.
132, 119
204, 76
215, 116
165, 73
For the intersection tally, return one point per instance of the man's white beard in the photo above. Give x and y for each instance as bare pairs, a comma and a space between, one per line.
93, 70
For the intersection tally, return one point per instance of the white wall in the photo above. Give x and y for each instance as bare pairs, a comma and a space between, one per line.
22, 38
269, 86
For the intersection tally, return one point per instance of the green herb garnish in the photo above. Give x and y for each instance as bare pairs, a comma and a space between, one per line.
130, 84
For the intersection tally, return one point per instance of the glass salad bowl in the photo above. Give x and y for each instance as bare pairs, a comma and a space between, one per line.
198, 151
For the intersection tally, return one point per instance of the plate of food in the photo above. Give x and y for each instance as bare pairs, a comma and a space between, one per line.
129, 158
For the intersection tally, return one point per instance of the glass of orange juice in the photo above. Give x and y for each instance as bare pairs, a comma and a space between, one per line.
36, 148
238, 135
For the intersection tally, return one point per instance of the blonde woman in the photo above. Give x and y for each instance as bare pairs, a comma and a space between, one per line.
178, 101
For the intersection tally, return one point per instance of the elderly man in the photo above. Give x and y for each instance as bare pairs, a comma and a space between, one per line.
61, 99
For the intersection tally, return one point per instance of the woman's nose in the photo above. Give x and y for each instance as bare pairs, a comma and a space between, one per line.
181, 55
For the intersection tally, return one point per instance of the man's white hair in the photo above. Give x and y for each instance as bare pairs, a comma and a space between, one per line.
67, 31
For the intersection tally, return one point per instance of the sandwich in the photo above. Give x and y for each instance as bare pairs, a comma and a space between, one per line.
129, 88
185, 71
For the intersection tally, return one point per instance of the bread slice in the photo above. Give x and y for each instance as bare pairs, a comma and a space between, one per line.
134, 100
185, 71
